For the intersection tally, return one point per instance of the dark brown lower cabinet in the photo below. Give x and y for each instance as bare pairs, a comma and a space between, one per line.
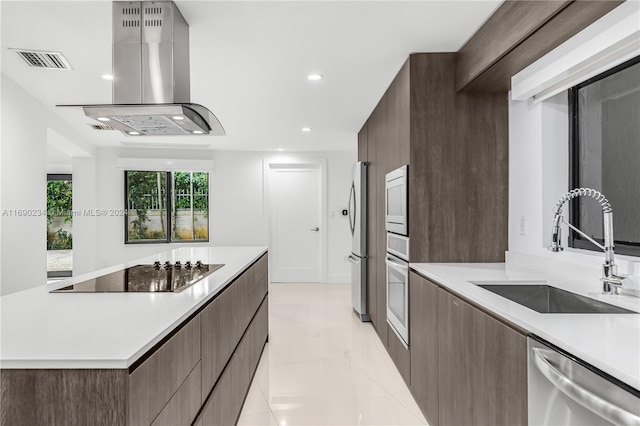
184, 405
400, 355
423, 327
208, 360
482, 367
467, 367
154, 382
225, 402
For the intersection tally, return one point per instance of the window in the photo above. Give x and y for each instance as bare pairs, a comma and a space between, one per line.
59, 225
165, 207
605, 155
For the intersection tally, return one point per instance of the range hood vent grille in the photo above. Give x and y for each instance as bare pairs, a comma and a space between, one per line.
131, 17
40, 59
101, 127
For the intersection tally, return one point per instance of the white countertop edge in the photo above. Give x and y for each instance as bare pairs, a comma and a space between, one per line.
96, 363
612, 368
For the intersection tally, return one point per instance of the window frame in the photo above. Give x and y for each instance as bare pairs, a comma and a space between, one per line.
575, 240
169, 196
65, 177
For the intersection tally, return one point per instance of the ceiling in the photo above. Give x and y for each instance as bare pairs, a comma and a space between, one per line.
249, 63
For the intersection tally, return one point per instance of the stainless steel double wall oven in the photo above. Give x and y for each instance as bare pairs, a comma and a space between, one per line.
397, 258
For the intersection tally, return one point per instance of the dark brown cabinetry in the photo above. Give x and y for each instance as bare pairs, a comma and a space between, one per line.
208, 361
225, 403
483, 367
231, 348
467, 367
458, 172
384, 143
184, 405
519, 33
378, 142
456, 148
153, 383
423, 328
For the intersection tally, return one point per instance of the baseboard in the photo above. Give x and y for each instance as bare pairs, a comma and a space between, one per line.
339, 278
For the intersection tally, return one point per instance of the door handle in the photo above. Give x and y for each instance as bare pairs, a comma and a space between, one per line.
353, 260
316, 229
352, 219
396, 264
583, 396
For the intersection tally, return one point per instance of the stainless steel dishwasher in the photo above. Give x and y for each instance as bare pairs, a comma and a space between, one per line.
564, 390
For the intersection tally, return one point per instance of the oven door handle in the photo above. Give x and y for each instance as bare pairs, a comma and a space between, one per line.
390, 261
585, 397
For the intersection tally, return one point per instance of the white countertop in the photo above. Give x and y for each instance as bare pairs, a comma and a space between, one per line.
107, 330
610, 342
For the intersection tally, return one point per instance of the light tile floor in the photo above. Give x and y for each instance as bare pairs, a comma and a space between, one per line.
322, 366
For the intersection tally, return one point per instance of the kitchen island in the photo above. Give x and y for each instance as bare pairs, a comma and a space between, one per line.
137, 358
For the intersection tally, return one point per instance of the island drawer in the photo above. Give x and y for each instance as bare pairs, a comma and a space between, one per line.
153, 383
185, 403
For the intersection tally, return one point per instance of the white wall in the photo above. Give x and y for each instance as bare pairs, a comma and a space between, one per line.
85, 227
23, 263
237, 216
239, 205
26, 125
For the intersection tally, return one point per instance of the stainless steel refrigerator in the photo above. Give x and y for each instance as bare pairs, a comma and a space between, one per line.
358, 227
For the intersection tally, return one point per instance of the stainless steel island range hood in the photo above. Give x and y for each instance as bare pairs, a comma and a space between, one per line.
151, 90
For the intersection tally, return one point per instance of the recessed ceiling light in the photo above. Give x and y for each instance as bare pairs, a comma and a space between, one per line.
198, 132
103, 119
314, 77
280, 149
306, 129
178, 117
107, 77
133, 133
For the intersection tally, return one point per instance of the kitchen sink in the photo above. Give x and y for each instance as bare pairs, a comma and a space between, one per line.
547, 299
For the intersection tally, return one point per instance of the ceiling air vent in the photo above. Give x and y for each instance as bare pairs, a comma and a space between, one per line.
40, 59
101, 127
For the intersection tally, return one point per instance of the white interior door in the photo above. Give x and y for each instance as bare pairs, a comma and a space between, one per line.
296, 239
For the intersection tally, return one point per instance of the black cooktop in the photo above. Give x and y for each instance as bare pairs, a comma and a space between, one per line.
145, 278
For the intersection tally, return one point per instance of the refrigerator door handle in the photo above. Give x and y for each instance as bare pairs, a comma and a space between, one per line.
353, 260
352, 212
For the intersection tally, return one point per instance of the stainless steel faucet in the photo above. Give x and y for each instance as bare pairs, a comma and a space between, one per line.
610, 278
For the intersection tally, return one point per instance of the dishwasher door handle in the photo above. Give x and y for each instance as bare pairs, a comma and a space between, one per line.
585, 397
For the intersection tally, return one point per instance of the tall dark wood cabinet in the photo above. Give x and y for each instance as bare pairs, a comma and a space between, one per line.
458, 173
372, 244
456, 148
377, 135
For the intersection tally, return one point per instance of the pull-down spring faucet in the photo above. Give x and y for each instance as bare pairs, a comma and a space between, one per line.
610, 275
